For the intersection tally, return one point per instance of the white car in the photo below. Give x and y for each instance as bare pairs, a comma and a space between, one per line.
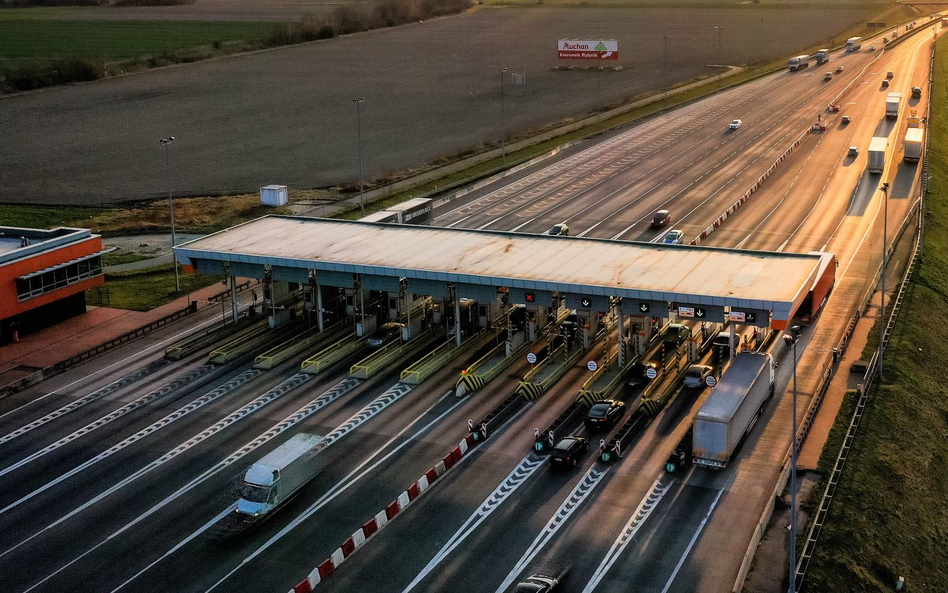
736, 124
675, 237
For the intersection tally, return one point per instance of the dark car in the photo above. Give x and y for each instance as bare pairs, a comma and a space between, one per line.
560, 230
537, 583
386, 334
637, 374
604, 413
661, 219
568, 450
676, 334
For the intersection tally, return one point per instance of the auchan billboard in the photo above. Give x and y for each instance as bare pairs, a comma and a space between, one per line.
582, 49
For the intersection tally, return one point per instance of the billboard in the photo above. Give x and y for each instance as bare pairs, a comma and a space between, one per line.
584, 49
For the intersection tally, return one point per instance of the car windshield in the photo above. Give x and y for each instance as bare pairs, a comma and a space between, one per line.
695, 372
556, 230
565, 444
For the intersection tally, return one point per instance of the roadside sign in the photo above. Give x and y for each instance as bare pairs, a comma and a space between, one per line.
644, 307
700, 313
591, 365
586, 302
587, 49
531, 357
686, 311
737, 316
710, 381
651, 373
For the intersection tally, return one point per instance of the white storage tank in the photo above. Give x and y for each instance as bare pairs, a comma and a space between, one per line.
274, 195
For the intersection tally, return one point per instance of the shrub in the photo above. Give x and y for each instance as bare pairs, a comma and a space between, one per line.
38, 75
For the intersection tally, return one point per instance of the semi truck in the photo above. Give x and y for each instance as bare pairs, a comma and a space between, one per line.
732, 409
799, 62
822, 56
877, 148
278, 476
853, 43
914, 139
892, 102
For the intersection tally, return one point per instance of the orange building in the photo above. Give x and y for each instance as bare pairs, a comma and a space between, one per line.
44, 276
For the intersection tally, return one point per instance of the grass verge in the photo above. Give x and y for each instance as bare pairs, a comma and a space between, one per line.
890, 513
145, 290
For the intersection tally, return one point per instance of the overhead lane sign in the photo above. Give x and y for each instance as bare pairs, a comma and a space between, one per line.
585, 49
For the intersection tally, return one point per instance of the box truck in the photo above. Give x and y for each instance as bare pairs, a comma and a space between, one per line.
733, 407
853, 43
822, 56
877, 148
892, 102
279, 475
914, 139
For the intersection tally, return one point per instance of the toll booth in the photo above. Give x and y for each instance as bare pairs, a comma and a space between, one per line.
279, 301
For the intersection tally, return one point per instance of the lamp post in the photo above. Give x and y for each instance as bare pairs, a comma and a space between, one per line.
166, 142
503, 128
720, 64
791, 340
665, 70
358, 104
885, 224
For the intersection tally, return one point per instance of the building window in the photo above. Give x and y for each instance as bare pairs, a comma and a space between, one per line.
34, 285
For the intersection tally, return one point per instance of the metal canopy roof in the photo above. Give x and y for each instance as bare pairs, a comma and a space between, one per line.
674, 273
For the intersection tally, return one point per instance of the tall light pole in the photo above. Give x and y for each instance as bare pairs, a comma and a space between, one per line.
885, 224
358, 103
166, 142
791, 340
503, 128
665, 69
720, 64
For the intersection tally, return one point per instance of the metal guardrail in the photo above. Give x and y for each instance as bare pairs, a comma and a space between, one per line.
435, 360
300, 342
384, 356
242, 287
332, 354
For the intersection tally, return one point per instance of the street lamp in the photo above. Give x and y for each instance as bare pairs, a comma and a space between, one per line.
358, 103
166, 142
720, 62
665, 70
885, 224
791, 340
503, 128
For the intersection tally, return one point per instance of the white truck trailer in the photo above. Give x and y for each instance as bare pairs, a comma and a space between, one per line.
914, 139
733, 407
877, 148
279, 475
799, 62
892, 103
853, 43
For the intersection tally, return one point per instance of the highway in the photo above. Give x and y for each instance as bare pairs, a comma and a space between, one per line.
158, 444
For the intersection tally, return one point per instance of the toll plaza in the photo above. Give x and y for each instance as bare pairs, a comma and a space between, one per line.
459, 279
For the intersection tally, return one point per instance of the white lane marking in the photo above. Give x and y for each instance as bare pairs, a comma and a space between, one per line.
184, 542
111, 416
635, 522
575, 500
176, 415
691, 544
86, 399
135, 356
516, 478
379, 404
348, 481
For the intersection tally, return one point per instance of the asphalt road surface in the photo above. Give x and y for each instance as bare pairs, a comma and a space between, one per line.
136, 519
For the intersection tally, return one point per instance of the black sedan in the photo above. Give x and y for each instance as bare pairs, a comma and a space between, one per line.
568, 450
604, 413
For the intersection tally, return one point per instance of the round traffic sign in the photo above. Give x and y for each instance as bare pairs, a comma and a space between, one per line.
651, 373
710, 381
591, 365
531, 357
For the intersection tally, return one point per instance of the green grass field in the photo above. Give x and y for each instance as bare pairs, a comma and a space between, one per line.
890, 513
25, 37
145, 290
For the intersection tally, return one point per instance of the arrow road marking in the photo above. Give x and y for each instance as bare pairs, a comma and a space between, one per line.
514, 480
638, 518
576, 498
